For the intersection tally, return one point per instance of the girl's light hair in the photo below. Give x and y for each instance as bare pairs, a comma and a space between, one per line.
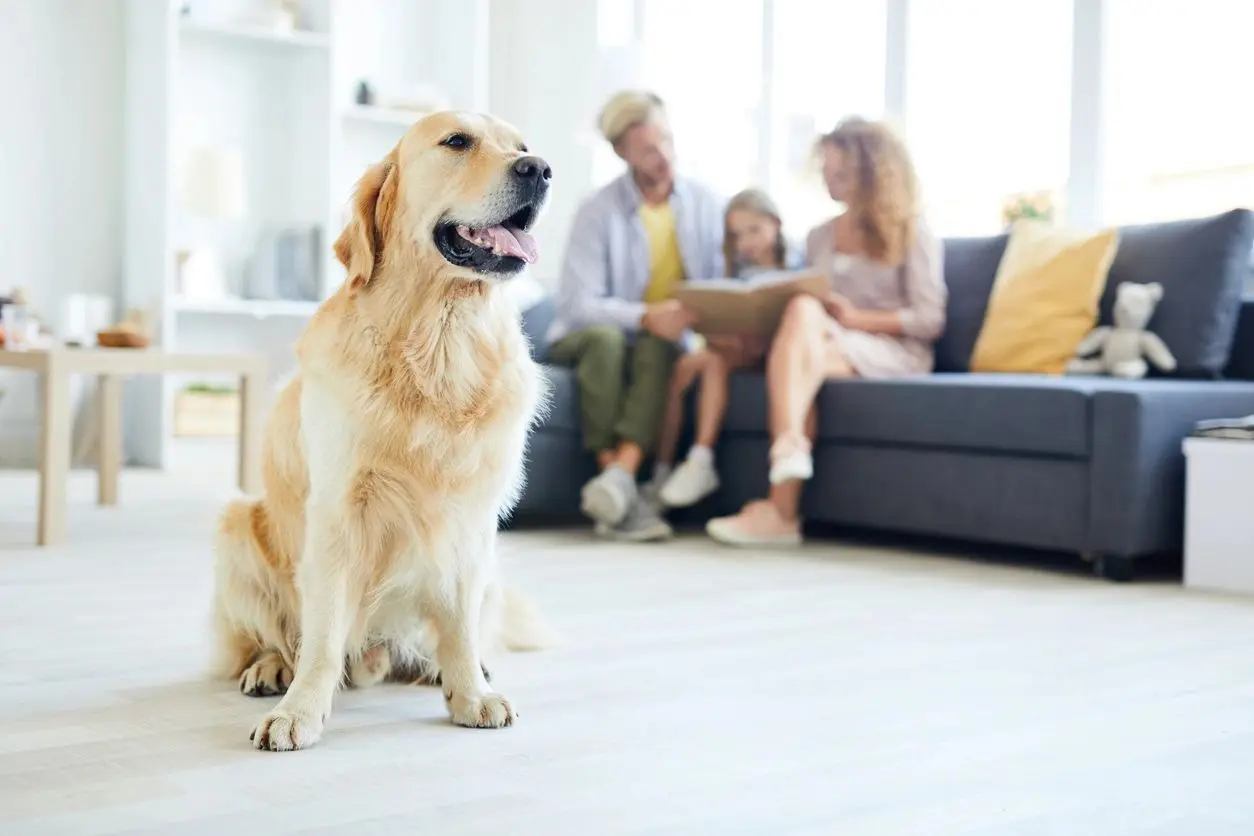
883, 197
625, 110
760, 203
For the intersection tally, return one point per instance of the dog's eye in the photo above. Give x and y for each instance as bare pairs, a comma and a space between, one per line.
458, 141
523, 148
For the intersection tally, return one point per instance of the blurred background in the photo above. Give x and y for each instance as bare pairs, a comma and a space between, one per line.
189, 162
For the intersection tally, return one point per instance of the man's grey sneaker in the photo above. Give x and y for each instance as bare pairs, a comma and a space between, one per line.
642, 524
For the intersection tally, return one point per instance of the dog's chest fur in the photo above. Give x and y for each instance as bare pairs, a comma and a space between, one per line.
475, 393
427, 426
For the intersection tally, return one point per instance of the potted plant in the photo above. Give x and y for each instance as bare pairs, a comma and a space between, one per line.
1036, 206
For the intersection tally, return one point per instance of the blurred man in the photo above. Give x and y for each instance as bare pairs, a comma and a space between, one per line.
618, 324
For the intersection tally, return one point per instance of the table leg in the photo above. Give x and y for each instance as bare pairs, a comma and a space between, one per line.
109, 443
251, 427
54, 455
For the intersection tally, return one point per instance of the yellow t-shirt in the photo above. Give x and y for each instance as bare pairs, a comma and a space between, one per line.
666, 266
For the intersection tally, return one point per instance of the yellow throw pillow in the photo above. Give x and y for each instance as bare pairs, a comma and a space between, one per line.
1045, 298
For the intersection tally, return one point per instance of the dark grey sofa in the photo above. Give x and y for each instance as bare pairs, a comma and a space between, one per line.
1090, 465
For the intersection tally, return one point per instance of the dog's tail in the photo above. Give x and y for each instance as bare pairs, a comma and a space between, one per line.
519, 625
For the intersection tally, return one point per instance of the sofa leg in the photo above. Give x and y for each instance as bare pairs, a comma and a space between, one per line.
1118, 568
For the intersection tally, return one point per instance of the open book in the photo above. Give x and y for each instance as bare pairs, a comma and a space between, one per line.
749, 306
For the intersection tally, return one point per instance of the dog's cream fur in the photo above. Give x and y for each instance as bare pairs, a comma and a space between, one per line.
389, 458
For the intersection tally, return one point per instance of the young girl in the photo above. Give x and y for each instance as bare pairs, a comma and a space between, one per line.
753, 242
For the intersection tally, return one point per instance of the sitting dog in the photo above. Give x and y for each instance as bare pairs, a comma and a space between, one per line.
392, 453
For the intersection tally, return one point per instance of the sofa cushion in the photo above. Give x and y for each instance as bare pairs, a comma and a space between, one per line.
997, 413
994, 412
1202, 265
970, 268
563, 412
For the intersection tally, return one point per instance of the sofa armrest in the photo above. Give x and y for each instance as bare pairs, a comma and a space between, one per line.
1136, 499
536, 321
1241, 358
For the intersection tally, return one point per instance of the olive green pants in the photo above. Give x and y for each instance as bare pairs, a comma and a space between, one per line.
622, 387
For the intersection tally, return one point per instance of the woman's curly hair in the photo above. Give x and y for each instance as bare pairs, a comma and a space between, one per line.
883, 199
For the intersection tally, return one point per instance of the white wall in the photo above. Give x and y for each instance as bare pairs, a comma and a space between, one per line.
544, 78
61, 81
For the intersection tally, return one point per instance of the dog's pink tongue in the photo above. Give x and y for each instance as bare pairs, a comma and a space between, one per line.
515, 242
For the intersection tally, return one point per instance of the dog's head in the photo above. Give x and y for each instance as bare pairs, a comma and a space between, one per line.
459, 187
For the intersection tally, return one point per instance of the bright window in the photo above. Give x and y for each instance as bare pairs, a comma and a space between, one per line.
988, 87
988, 114
619, 68
615, 23
704, 58
1179, 123
829, 63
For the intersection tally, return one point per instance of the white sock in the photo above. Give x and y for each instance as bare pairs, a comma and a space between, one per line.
702, 455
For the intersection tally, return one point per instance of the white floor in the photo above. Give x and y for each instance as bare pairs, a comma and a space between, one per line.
841, 690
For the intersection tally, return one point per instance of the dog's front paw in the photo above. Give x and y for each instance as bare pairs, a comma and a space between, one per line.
285, 731
269, 676
487, 711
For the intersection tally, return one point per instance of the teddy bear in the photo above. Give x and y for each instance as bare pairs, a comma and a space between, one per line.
1121, 349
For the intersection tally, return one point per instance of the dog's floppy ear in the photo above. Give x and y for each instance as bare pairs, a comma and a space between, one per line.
361, 244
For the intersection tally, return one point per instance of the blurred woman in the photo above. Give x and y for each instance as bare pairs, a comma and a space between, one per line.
885, 310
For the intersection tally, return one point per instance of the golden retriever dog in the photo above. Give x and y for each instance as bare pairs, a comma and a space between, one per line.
392, 453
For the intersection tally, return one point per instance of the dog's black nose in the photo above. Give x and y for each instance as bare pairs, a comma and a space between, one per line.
533, 169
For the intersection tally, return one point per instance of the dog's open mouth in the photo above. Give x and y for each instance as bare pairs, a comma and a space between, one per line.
503, 247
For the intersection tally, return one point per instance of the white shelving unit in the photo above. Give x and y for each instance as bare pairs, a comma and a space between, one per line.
313, 40
259, 308
285, 102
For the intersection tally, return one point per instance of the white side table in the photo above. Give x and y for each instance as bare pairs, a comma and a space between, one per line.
57, 365
1219, 514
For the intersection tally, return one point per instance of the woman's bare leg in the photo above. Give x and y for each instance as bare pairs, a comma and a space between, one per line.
786, 496
802, 356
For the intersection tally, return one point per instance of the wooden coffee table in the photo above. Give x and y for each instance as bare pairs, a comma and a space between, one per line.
110, 365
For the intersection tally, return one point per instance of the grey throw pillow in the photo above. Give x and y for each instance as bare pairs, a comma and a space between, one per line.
970, 269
